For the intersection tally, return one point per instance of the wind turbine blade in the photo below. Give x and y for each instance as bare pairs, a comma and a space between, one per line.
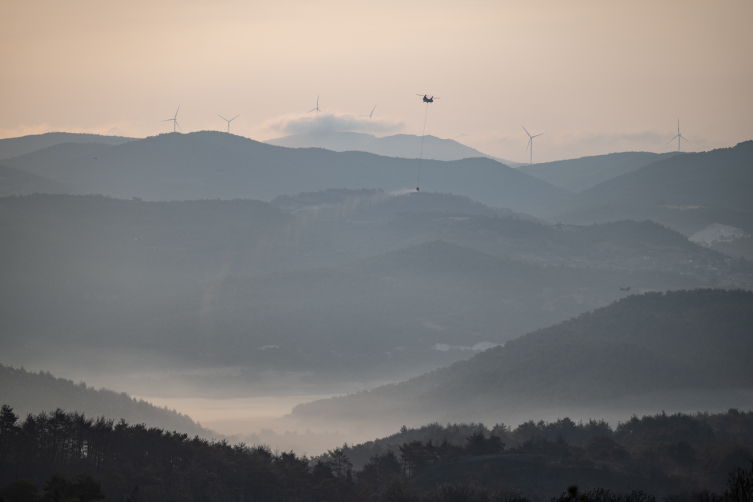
168, 120
233, 118
671, 140
538, 135
315, 109
220, 116
530, 140
526, 130
176, 112
177, 124
683, 137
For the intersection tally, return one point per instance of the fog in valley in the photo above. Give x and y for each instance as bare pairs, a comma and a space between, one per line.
426, 302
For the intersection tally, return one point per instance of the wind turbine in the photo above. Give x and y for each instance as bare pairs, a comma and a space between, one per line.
228, 121
369, 115
530, 142
174, 120
317, 110
678, 137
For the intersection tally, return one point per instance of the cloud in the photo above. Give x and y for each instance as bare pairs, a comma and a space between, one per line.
295, 124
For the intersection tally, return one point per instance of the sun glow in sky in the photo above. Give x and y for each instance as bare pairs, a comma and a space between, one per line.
592, 76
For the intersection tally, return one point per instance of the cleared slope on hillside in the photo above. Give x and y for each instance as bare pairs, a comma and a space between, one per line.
678, 342
577, 175
208, 165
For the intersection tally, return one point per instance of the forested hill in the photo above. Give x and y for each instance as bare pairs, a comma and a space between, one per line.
17, 182
683, 343
210, 165
577, 175
13, 147
28, 392
685, 192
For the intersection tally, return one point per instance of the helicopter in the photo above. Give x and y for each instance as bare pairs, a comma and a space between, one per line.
427, 99
625, 289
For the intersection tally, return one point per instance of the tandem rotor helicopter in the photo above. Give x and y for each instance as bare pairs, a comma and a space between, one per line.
428, 99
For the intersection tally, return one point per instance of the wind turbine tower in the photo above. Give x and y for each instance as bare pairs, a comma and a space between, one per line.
679, 137
228, 121
530, 142
317, 110
369, 115
174, 120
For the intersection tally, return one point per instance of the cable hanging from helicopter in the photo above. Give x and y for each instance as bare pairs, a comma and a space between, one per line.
427, 100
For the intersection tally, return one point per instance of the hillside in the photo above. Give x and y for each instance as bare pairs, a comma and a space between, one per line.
17, 182
210, 165
577, 175
406, 146
14, 147
695, 345
685, 192
224, 279
28, 392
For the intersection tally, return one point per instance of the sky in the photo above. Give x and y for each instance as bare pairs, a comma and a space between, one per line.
593, 77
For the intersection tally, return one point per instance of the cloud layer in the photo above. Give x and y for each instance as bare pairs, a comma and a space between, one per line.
296, 124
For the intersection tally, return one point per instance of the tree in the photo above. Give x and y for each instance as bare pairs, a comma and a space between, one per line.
339, 462
479, 444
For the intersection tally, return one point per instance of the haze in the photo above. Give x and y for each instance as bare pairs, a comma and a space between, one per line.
594, 77
367, 286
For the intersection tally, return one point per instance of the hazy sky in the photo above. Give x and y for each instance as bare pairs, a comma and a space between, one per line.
593, 76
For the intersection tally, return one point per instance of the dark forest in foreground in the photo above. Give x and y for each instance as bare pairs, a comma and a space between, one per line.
654, 456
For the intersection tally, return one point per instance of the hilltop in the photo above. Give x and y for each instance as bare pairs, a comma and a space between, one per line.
580, 174
14, 147
406, 146
685, 192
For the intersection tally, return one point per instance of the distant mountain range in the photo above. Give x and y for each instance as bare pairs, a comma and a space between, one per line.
685, 192
208, 165
577, 175
14, 147
406, 146
664, 350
